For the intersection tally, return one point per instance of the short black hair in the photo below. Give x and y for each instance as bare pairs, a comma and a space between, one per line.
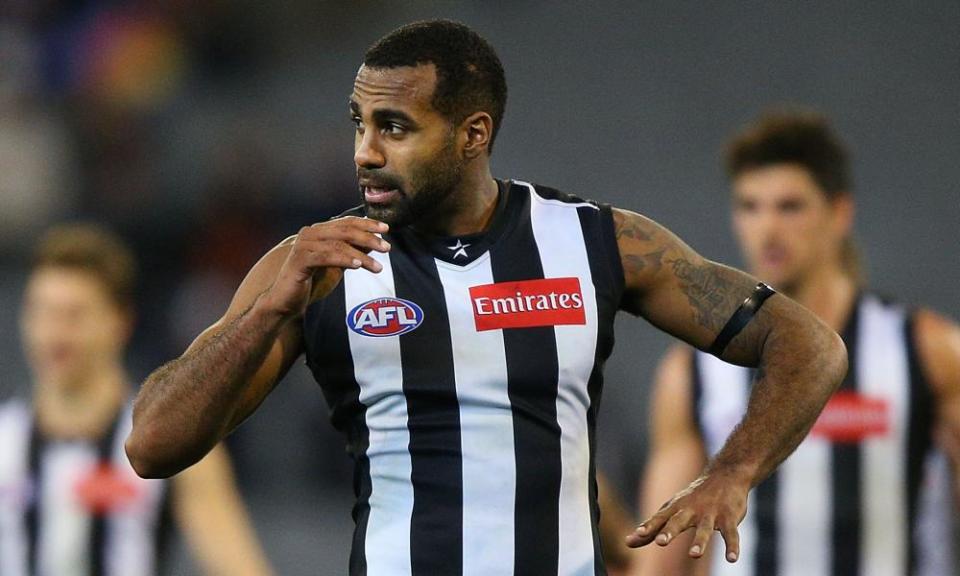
469, 74
793, 136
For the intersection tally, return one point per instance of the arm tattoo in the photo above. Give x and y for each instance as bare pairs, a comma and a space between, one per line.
631, 228
713, 292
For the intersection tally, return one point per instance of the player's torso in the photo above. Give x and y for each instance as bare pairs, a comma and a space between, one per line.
467, 375
851, 498
73, 508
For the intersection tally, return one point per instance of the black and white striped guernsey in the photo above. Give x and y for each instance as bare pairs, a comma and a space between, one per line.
466, 376
864, 494
75, 508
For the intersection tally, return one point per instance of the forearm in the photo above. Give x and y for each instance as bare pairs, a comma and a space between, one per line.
802, 362
185, 407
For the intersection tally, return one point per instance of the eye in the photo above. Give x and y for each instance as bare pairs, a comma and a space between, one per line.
746, 206
358, 123
394, 129
791, 206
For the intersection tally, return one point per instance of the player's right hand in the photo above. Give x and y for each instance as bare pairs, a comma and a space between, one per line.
317, 256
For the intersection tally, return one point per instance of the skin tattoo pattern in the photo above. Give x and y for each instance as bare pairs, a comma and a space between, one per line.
709, 292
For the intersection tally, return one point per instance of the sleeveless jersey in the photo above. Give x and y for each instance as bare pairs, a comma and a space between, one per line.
466, 377
864, 494
74, 508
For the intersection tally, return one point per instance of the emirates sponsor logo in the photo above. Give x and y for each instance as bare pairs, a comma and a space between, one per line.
850, 418
547, 302
107, 488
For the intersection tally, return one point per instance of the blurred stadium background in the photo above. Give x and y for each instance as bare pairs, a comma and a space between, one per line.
204, 131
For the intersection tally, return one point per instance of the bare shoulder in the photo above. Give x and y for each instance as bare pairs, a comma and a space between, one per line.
646, 247
938, 345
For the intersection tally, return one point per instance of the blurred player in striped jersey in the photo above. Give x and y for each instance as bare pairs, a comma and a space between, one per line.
866, 494
70, 504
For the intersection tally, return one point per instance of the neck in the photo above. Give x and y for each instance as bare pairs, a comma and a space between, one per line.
829, 293
471, 207
83, 409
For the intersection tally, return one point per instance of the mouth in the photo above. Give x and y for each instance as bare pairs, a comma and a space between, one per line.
774, 256
379, 195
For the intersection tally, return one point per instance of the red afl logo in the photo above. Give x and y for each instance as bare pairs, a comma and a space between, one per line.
385, 317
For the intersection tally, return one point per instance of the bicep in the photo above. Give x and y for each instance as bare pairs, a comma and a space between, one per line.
681, 292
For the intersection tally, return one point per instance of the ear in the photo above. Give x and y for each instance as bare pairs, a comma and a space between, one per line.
843, 213
478, 128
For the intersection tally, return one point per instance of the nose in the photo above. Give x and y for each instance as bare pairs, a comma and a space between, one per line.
367, 152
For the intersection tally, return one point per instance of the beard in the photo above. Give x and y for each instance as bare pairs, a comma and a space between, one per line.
427, 192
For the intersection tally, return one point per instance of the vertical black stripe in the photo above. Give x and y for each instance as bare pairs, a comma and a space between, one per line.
919, 439
696, 394
608, 289
767, 556
98, 523
532, 377
433, 420
845, 472
766, 499
162, 530
31, 518
327, 351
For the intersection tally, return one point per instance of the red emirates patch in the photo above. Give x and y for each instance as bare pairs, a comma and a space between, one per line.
106, 488
850, 418
547, 302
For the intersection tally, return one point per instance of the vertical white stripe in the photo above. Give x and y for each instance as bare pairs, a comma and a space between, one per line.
376, 365
486, 426
14, 488
556, 228
804, 510
934, 537
883, 372
64, 524
131, 531
725, 389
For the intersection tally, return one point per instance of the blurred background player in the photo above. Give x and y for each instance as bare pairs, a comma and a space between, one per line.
864, 494
70, 505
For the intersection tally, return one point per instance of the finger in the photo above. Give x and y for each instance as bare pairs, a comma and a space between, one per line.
731, 538
362, 239
648, 530
702, 537
367, 224
338, 254
677, 524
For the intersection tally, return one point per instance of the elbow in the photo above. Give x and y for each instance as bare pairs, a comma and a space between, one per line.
144, 453
835, 359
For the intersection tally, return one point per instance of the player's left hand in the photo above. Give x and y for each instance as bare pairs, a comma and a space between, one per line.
714, 501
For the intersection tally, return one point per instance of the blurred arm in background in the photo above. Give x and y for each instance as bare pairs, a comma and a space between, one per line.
938, 345
615, 521
677, 455
211, 515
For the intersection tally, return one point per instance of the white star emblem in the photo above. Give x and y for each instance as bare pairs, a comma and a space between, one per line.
460, 249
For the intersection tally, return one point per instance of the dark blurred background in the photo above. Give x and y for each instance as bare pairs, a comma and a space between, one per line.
205, 131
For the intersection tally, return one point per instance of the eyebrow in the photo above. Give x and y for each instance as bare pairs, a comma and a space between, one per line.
384, 115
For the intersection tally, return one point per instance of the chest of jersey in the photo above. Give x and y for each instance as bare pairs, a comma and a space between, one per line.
466, 376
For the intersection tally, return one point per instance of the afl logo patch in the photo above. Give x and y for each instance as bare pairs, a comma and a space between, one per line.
385, 317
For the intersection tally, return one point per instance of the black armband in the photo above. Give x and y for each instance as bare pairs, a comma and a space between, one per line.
741, 318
